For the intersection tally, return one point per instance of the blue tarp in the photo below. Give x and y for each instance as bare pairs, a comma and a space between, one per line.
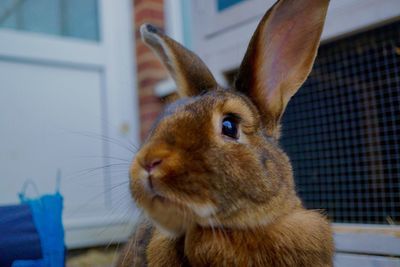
31, 234
19, 238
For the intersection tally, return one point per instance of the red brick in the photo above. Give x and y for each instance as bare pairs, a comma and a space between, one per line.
148, 15
149, 69
141, 48
150, 99
150, 64
149, 5
141, 2
157, 74
147, 118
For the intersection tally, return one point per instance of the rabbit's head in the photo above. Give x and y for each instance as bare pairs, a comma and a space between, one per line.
213, 156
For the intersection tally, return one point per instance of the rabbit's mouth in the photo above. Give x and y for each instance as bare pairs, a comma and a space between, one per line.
200, 210
150, 187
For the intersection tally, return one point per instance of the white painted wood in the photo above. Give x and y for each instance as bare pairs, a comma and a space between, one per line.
233, 16
371, 239
347, 16
222, 38
41, 107
350, 260
59, 97
173, 19
121, 98
48, 48
368, 243
165, 88
98, 230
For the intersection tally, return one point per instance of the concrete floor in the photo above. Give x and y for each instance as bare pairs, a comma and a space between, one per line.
93, 257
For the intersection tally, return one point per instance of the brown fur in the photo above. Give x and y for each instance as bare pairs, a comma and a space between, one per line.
298, 239
133, 253
219, 201
164, 251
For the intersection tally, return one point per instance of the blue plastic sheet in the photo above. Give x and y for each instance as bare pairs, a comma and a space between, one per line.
19, 238
32, 234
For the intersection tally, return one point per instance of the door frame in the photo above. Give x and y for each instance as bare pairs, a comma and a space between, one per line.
112, 56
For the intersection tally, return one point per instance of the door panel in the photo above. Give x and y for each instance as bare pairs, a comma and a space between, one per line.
46, 112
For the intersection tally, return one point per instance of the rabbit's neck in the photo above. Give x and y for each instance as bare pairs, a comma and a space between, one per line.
255, 216
301, 238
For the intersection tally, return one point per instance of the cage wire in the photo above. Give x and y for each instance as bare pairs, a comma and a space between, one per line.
342, 129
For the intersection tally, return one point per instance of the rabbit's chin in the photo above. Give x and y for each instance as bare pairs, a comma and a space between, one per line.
173, 219
172, 216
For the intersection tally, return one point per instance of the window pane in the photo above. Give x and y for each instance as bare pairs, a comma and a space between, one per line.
81, 19
40, 16
69, 18
224, 4
7, 18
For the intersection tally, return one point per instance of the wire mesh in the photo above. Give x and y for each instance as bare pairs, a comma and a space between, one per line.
342, 129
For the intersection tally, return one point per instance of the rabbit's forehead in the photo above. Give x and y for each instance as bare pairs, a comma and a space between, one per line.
225, 101
179, 106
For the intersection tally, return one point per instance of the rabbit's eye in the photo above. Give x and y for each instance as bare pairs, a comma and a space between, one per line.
229, 127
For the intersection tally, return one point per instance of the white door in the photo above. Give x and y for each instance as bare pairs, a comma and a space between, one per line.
68, 103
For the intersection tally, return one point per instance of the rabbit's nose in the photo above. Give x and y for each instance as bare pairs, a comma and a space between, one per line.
150, 165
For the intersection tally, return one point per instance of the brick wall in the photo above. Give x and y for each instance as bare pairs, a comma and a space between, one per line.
149, 69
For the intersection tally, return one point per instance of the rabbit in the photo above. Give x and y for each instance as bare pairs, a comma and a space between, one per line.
211, 178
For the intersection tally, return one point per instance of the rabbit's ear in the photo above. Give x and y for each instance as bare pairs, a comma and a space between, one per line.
190, 73
280, 56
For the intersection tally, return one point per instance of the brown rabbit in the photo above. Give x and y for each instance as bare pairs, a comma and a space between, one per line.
211, 176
